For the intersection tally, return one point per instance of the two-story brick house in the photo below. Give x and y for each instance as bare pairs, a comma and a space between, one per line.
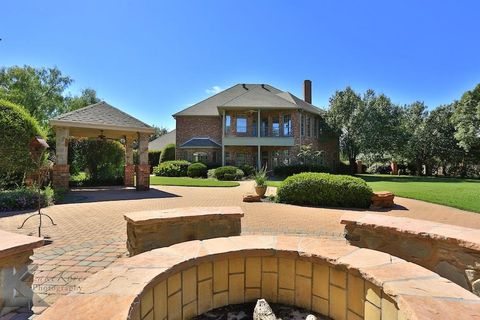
254, 124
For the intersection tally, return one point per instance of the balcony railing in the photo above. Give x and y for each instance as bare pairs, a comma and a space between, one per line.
251, 131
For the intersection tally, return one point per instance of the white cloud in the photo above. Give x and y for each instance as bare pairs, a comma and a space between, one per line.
213, 90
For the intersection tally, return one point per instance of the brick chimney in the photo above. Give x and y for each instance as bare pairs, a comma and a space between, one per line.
307, 91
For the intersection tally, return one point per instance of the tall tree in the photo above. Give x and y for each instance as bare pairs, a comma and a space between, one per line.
86, 98
159, 131
466, 119
345, 116
39, 90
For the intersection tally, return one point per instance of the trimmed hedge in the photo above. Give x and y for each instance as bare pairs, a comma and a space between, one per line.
228, 173
197, 170
286, 171
176, 168
323, 189
18, 128
154, 158
168, 153
25, 198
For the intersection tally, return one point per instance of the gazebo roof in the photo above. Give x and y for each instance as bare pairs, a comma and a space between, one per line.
100, 118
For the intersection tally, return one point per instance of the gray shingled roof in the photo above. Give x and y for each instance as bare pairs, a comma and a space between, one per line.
200, 143
162, 141
245, 96
101, 114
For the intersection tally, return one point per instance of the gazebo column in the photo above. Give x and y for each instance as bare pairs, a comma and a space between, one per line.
143, 168
61, 174
129, 176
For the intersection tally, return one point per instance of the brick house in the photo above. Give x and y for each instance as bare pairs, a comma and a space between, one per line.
254, 124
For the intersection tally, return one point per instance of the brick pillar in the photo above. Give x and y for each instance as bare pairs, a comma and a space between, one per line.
394, 167
143, 168
129, 173
61, 174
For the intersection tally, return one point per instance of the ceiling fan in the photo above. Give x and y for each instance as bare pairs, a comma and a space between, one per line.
103, 137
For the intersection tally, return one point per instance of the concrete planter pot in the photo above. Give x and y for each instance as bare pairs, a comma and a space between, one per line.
260, 190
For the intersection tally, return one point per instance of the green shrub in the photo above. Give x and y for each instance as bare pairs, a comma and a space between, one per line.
323, 189
379, 168
248, 170
288, 170
228, 173
25, 198
168, 153
102, 160
176, 168
154, 158
197, 170
17, 129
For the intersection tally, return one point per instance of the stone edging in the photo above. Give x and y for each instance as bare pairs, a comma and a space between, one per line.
463, 237
115, 292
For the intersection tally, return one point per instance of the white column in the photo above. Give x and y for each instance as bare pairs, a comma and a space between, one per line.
259, 160
62, 145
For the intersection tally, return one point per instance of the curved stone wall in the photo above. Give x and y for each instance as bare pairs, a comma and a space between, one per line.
326, 276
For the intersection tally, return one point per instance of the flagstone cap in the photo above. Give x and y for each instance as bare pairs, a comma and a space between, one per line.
114, 293
151, 216
461, 236
13, 243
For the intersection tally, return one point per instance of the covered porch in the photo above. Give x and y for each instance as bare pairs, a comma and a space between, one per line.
103, 121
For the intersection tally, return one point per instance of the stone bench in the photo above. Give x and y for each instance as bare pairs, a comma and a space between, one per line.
451, 251
147, 230
329, 277
15, 279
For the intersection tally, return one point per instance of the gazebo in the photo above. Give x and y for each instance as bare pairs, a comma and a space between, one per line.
106, 122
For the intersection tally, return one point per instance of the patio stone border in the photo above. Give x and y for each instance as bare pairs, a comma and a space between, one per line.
15, 279
147, 230
326, 276
451, 251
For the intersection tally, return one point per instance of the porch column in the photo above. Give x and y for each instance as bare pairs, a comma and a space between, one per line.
259, 160
143, 168
61, 174
223, 136
129, 177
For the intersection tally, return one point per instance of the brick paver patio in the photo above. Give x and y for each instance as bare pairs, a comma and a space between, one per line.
91, 232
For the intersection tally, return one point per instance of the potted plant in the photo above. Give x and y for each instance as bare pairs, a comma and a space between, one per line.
260, 178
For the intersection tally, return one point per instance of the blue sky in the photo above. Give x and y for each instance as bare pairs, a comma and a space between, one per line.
153, 58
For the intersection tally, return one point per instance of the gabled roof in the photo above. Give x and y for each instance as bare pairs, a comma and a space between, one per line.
200, 143
248, 96
103, 116
162, 141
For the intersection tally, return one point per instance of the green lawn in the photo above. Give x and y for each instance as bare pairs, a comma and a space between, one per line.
190, 182
458, 193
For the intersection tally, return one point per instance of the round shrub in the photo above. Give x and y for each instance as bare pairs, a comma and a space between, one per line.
176, 168
323, 189
228, 173
288, 170
18, 128
168, 153
197, 170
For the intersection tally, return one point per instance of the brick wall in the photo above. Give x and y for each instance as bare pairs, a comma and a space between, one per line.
189, 127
